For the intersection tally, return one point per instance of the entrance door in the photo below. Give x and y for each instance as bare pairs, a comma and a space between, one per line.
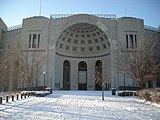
82, 76
66, 75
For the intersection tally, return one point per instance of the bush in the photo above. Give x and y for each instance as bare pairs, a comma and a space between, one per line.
152, 95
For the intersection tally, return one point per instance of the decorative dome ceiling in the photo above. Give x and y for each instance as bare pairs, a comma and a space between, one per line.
82, 39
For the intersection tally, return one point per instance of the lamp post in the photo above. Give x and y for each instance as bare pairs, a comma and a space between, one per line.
124, 82
44, 73
22, 83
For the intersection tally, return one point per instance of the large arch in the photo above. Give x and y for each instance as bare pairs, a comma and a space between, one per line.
66, 75
98, 75
77, 42
82, 76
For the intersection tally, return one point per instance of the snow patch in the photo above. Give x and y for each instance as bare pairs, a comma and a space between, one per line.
78, 105
148, 102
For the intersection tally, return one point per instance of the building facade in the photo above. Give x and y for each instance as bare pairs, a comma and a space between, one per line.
76, 47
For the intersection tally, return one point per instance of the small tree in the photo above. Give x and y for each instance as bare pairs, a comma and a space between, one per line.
140, 64
8, 68
16, 63
4, 73
30, 66
102, 77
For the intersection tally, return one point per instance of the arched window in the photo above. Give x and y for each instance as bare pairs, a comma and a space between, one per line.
82, 76
98, 75
66, 75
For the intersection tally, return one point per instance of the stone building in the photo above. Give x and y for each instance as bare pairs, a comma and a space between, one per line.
75, 46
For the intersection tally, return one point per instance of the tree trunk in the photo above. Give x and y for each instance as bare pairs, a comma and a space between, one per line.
143, 85
29, 86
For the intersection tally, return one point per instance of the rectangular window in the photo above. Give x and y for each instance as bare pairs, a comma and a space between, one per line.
34, 41
127, 41
131, 41
30, 40
38, 44
135, 37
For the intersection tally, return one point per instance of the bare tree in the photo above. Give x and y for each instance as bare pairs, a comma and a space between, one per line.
139, 64
16, 64
4, 70
102, 76
8, 69
30, 66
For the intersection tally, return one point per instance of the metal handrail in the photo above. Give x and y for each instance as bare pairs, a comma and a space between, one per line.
151, 28
16, 27
55, 16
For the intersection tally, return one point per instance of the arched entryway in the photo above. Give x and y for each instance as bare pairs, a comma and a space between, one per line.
98, 75
66, 75
80, 42
82, 76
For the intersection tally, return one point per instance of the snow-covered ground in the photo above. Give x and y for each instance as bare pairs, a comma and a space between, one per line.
78, 105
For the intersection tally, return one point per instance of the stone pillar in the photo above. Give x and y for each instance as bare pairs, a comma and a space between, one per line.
74, 75
90, 75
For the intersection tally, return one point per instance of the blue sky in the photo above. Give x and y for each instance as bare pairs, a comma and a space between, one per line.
13, 11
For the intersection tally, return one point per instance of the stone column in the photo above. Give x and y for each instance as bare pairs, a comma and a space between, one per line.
90, 75
74, 75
